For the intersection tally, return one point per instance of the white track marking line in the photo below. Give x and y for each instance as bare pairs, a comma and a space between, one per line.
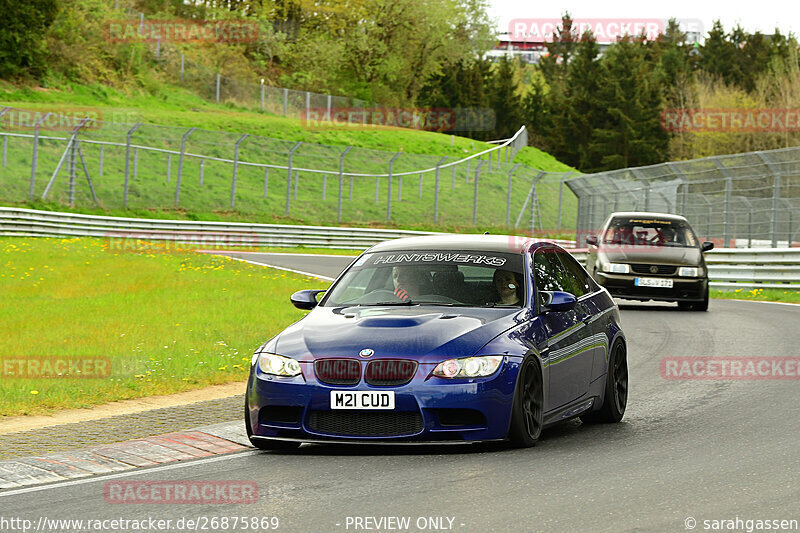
318, 276
133, 472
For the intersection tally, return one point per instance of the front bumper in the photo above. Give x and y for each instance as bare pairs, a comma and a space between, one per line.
683, 289
426, 409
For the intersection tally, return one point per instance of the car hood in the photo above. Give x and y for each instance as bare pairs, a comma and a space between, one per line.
659, 255
423, 333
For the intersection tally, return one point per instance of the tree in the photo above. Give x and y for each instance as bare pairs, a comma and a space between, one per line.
717, 52
631, 134
504, 100
22, 35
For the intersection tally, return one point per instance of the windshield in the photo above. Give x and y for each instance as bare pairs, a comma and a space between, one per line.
461, 278
649, 232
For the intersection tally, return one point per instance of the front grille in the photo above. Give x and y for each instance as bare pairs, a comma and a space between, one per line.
366, 423
338, 371
388, 372
661, 270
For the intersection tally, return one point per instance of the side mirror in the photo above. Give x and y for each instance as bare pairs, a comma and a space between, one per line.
558, 301
306, 299
706, 246
591, 240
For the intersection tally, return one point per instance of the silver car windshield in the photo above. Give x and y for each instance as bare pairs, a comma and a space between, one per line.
649, 232
447, 278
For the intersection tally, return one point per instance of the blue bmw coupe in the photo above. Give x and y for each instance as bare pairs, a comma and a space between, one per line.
442, 339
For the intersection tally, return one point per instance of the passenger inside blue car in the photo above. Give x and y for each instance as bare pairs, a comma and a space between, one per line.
508, 287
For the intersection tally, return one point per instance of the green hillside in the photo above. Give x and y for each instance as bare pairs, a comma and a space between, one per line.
152, 187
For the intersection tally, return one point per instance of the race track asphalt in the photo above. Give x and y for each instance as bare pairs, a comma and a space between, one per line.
686, 452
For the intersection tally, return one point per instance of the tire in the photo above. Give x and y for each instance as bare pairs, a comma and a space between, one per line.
702, 306
527, 412
266, 444
616, 393
695, 306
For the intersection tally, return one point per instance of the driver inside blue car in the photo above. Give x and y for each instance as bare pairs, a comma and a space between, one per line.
409, 282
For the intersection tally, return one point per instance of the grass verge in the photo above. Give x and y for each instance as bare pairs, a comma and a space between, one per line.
167, 322
761, 295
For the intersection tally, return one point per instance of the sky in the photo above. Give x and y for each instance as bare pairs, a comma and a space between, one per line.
759, 15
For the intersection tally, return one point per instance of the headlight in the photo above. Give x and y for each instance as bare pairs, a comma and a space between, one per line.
278, 365
469, 367
689, 272
617, 268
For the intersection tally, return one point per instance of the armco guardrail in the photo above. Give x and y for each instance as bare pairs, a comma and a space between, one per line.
34, 223
733, 268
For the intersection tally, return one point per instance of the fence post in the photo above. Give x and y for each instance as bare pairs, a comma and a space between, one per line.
328, 117
341, 175
202, 170
289, 176
266, 181
389, 191
296, 181
285, 101
726, 234
377, 188
324, 186
776, 195
101, 160
136, 163
169, 166
262, 95
180, 165
236, 165
35, 159
475, 194
73, 156
508, 198
561, 197
308, 103
128, 163
5, 139
436, 191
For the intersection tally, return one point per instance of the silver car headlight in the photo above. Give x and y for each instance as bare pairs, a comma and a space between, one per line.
690, 272
468, 367
617, 268
278, 365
